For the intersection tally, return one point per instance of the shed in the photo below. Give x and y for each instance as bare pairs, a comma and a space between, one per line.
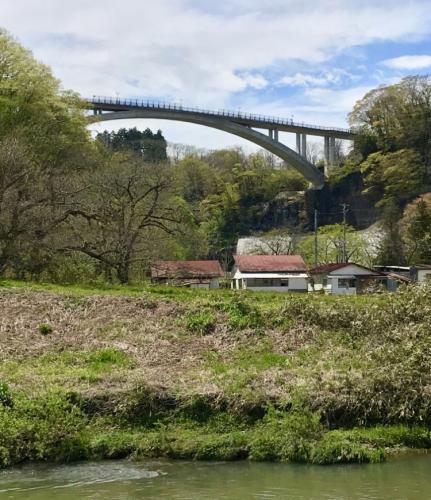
191, 273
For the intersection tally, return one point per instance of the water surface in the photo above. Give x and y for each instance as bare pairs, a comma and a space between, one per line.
404, 478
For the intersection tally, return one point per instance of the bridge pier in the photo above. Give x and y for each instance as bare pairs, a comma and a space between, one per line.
271, 133
298, 143
326, 150
275, 135
332, 150
304, 145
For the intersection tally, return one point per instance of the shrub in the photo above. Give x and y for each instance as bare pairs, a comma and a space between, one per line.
5, 395
242, 314
202, 322
45, 329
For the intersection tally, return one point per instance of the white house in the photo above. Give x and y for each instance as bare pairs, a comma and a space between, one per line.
346, 278
279, 273
421, 272
189, 273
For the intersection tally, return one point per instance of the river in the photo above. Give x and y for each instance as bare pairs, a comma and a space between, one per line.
403, 478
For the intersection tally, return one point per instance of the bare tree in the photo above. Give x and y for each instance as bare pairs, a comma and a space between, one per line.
314, 152
113, 219
277, 243
31, 201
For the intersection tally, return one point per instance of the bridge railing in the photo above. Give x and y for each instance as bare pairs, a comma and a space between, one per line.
152, 104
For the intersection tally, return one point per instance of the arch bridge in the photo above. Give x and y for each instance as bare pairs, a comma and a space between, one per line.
237, 123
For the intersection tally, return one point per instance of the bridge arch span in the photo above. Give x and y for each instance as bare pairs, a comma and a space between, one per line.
291, 157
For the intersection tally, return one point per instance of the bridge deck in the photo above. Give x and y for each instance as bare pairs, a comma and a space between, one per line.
247, 119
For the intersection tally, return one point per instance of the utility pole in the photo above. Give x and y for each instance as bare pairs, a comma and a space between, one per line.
315, 238
344, 205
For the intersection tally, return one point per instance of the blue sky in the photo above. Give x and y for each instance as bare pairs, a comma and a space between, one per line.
310, 60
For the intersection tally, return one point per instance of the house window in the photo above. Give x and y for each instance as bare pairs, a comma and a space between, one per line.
346, 283
284, 282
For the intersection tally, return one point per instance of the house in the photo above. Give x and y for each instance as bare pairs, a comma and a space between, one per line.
420, 273
279, 273
190, 273
346, 278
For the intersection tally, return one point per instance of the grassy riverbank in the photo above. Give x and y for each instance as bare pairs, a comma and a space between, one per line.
150, 372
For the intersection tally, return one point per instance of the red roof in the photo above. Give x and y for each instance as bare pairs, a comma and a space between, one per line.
270, 263
334, 266
328, 268
186, 269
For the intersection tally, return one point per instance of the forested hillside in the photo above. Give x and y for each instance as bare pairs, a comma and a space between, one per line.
75, 208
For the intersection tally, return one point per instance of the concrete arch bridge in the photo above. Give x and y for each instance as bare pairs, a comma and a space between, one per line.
237, 123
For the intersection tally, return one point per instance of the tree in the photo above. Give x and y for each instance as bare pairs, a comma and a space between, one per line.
196, 180
147, 145
32, 204
35, 110
391, 248
277, 242
416, 230
124, 202
331, 246
43, 139
397, 117
393, 177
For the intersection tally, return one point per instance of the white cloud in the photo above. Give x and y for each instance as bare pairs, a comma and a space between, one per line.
408, 62
306, 79
196, 51
255, 81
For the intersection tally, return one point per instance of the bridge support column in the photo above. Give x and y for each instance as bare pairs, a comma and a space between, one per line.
275, 135
298, 143
332, 150
304, 145
271, 133
326, 150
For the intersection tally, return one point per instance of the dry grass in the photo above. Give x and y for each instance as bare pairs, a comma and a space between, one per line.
152, 333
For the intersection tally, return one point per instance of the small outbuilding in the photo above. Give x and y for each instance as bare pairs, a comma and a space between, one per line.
346, 278
420, 272
279, 273
189, 273
417, 273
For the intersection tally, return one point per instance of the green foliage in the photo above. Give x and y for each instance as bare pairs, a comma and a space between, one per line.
397, 116
45, 329
147, 145
202, 322
331, 246
286, 437
242, 313
391, 249
46, 429
416, 230
317, 379
393, 177
5, 395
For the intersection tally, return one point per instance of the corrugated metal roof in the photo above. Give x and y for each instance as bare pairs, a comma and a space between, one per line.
186, 269
274, 275
335, 266
327, 268
269, 263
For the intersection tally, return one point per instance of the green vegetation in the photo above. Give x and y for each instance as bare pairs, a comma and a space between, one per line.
180, 373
